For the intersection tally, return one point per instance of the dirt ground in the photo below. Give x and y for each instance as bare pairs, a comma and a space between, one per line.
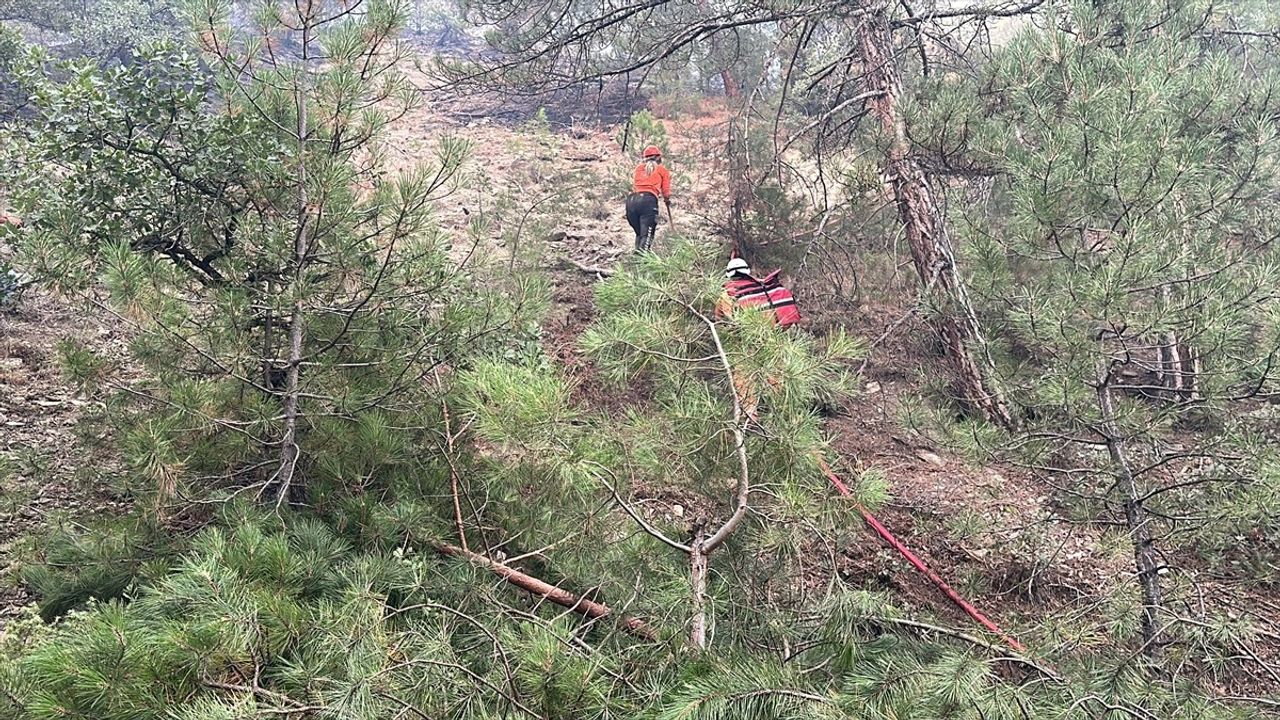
48, 471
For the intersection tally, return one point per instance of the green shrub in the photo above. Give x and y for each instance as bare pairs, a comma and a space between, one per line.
643, 129
77, 565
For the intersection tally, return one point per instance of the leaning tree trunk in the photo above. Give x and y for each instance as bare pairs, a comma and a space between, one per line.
1135, 516
925, 227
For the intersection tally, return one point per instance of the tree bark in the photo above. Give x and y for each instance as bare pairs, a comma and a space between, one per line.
739, 189
289, 448
698, 582
924, 224
731, 87
1178, 366
1144, 551
543, 589
1191, 369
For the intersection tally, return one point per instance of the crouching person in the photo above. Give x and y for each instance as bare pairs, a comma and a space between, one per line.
742, 289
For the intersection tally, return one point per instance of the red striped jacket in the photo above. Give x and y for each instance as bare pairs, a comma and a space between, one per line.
766, 292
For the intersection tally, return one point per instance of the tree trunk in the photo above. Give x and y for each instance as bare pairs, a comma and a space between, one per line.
289, 449
698, 582
925, 227
739, 190
1144, 551
1171, 352
731, 87
1178, 366
1191, 370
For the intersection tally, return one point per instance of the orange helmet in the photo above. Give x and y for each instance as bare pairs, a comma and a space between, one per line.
652, 151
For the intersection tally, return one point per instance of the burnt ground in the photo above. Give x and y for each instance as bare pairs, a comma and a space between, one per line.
547, 193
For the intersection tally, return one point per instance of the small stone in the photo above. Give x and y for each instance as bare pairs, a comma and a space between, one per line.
872, 387
931, 458
677, 510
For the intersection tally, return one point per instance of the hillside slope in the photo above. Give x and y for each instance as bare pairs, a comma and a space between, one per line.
547, 195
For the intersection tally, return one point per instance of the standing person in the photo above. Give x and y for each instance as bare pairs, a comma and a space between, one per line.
652, 181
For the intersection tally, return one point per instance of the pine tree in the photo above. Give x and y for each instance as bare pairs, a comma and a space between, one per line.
283, 286
729, 435
1131, 248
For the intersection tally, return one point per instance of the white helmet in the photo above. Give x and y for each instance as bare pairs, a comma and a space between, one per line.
736, 265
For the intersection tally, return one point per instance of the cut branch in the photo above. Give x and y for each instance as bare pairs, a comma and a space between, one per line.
559, 596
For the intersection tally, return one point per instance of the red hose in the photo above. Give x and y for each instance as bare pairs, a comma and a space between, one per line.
911, 557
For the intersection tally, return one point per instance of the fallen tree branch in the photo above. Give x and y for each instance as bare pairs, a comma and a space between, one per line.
559, 596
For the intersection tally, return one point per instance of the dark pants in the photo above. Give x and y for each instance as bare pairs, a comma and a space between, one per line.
642, 213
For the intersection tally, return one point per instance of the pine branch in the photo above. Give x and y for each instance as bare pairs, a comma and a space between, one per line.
1008, 9
644, 524
1004, 653
740, 442
292, 706
453, 476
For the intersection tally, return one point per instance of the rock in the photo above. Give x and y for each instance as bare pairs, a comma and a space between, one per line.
931, 458
677, 510
872, 387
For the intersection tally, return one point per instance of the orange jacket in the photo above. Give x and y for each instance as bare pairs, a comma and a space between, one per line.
656, 183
